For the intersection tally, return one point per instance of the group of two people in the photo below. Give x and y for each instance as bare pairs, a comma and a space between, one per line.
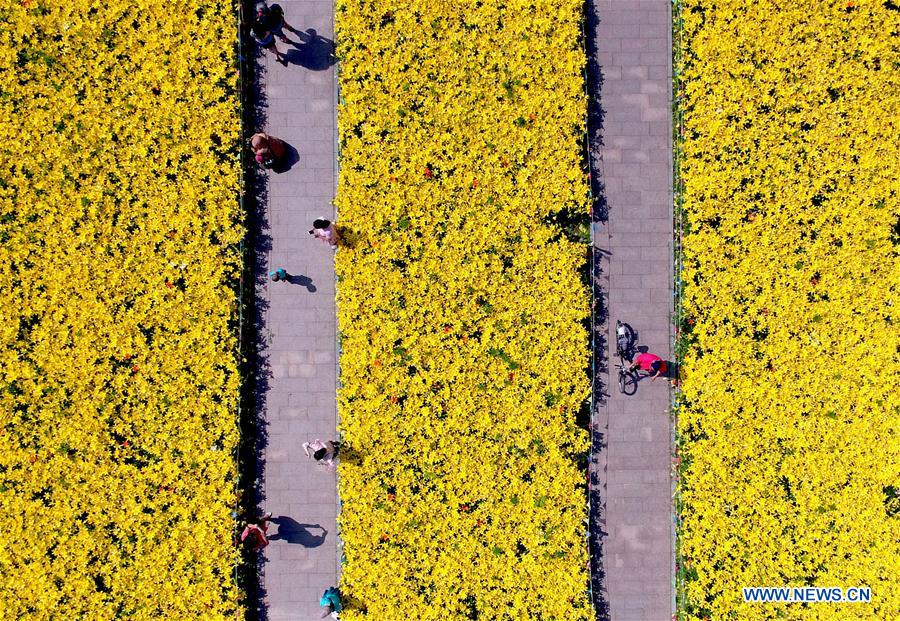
254, 533
268, 24
323, 230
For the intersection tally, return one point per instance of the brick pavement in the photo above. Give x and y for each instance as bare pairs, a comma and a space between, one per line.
633, 42
300, 322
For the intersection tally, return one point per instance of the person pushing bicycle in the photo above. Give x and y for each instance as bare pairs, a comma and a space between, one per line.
652, 364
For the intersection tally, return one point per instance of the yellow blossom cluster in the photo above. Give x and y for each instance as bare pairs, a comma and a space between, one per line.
792, 198
460, 306
118, 258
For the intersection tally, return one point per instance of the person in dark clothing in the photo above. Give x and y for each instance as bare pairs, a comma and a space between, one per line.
266, 39
273, 18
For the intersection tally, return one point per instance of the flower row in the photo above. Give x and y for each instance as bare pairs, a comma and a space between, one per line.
789, 441
460, 307
118, 375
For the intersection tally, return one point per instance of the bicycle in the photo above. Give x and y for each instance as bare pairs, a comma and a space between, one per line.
628, 379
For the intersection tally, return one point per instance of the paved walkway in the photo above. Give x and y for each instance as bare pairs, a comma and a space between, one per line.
633, 43
302, 558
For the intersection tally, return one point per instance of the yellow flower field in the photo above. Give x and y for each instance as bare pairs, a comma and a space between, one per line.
118, 375
460, 308
792, 199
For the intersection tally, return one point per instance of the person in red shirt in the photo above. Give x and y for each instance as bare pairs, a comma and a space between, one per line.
651, 363
254, 534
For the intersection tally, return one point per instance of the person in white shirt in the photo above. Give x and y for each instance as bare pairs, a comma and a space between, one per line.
322, 452
326, 231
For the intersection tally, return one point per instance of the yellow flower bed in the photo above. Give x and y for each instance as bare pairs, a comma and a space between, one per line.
460, 309
790, 424
118, 377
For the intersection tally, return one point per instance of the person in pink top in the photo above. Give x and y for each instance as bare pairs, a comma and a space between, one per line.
326, 231
651, 363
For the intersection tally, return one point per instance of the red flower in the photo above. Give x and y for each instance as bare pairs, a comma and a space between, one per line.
427, 172
134, 368
475, 183
392, 497
126, 443
384, 537
376, 363
394, 399
446, 329
169, 285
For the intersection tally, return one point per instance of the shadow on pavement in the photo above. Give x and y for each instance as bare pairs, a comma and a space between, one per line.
303, 281
316, 53
291, 531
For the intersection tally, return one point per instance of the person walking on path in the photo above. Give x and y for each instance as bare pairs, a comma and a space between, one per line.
322, 452
326, 231
651, 363
266, 40
254, 534
272, 17
279, 274
330, 602
268, 150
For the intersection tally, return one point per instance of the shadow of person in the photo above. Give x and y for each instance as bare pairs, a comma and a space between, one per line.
304, 281
316, 53
291, 157
291, 531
